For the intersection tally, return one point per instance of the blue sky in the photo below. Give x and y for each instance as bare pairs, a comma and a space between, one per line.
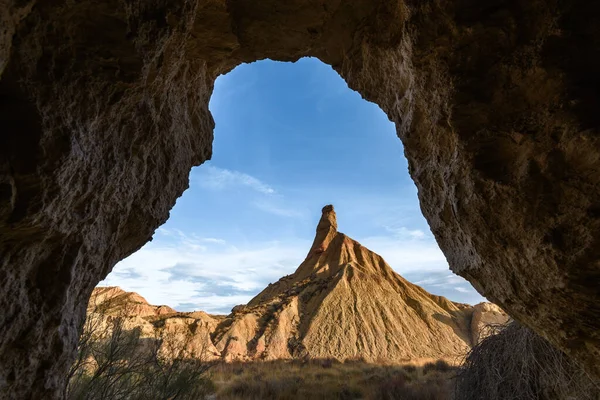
289, 139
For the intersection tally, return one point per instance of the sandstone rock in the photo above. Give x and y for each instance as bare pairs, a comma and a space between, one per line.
345, 302
105, 110
484, 315
187, 333
342, 302
115, 301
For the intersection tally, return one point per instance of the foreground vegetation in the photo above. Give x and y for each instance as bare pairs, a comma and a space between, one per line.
117, 362
330, 379
514, 363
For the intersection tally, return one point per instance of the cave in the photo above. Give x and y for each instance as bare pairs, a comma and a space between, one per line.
104, 111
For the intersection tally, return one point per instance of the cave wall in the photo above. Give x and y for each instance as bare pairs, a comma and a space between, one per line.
104, 110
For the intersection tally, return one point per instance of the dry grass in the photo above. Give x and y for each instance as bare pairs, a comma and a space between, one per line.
517, 364
329, 379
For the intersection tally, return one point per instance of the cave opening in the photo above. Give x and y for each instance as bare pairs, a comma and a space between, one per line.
289, 138
496, 123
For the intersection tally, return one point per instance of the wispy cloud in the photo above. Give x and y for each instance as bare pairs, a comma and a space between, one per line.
279, 210
214, 240
463, 289
190, 241
404, 232
192, 272
445, 283
214, 178
407, 255
268, 200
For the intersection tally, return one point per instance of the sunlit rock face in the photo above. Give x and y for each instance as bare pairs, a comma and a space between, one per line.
345, 302
105, 110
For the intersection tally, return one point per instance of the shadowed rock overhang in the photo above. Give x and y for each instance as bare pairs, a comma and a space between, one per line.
104, 110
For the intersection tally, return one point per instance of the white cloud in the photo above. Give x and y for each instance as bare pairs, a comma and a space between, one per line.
462, 289
192, 241
189, 271
402, 232
408, 254
195, 273
445, 283
215, 178
214, 240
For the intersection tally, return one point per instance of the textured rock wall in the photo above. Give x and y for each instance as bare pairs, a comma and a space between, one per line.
512, 190
104, 112
102, 118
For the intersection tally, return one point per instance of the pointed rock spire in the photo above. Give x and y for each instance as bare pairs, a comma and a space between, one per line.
345, 301
326, 231
328, 219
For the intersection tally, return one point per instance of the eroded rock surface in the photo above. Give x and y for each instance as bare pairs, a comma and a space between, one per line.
486, 315
114, 300
104, 112
342, 302
345, 302
186, 332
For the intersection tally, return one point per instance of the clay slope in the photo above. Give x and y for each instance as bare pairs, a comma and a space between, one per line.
114, 300
189, 331
344, 301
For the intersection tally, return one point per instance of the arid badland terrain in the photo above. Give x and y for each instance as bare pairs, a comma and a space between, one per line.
344, 325
343, 302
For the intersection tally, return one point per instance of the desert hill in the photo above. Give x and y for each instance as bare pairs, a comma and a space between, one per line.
115, 300
187, 330
344, 301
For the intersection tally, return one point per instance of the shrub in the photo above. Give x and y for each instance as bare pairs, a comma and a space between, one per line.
317, 380
118, 363
517, 364
389, 387
410, 368
439, 365
397, 388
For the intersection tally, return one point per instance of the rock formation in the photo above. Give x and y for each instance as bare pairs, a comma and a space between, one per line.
345, 302
114, 300
104, 110
342, 302
186, 331
485, 315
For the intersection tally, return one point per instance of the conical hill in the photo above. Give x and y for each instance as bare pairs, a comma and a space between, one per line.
344, 301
